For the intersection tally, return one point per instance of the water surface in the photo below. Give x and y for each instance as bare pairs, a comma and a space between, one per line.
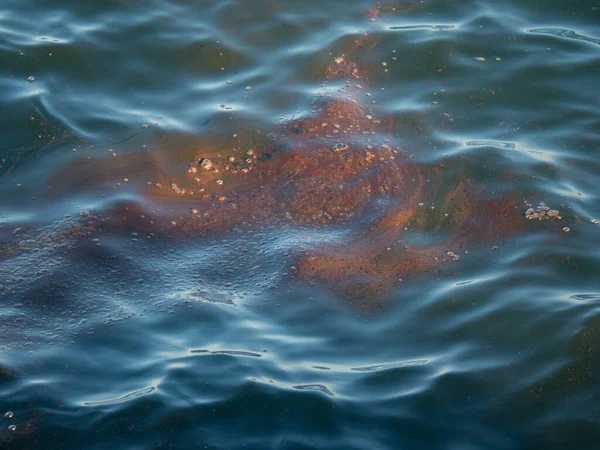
208, 342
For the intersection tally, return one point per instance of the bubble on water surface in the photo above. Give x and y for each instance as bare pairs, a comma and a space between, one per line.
206, 164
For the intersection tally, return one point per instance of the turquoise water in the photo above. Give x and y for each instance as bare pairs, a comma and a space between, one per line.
208, 341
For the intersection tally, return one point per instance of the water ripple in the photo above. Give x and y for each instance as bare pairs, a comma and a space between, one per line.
125, 398
228, 352
497, 350
484, 143
388, 366
424, 26
564, 33
314, 387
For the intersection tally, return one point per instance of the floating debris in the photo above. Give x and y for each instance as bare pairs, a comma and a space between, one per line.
177, 189
454, 256
339, 147
205, 164
542, 212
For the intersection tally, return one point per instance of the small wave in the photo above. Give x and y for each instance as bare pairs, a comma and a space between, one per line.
376, 368
125, 398
585, 297
314, 387
486, 143
228, 352
421, 27
564, 33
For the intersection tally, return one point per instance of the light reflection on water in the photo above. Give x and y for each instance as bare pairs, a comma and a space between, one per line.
146, 343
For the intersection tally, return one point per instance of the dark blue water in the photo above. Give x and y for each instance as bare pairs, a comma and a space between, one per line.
124, 342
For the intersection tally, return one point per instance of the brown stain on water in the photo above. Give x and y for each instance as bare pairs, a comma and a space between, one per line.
297, 176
